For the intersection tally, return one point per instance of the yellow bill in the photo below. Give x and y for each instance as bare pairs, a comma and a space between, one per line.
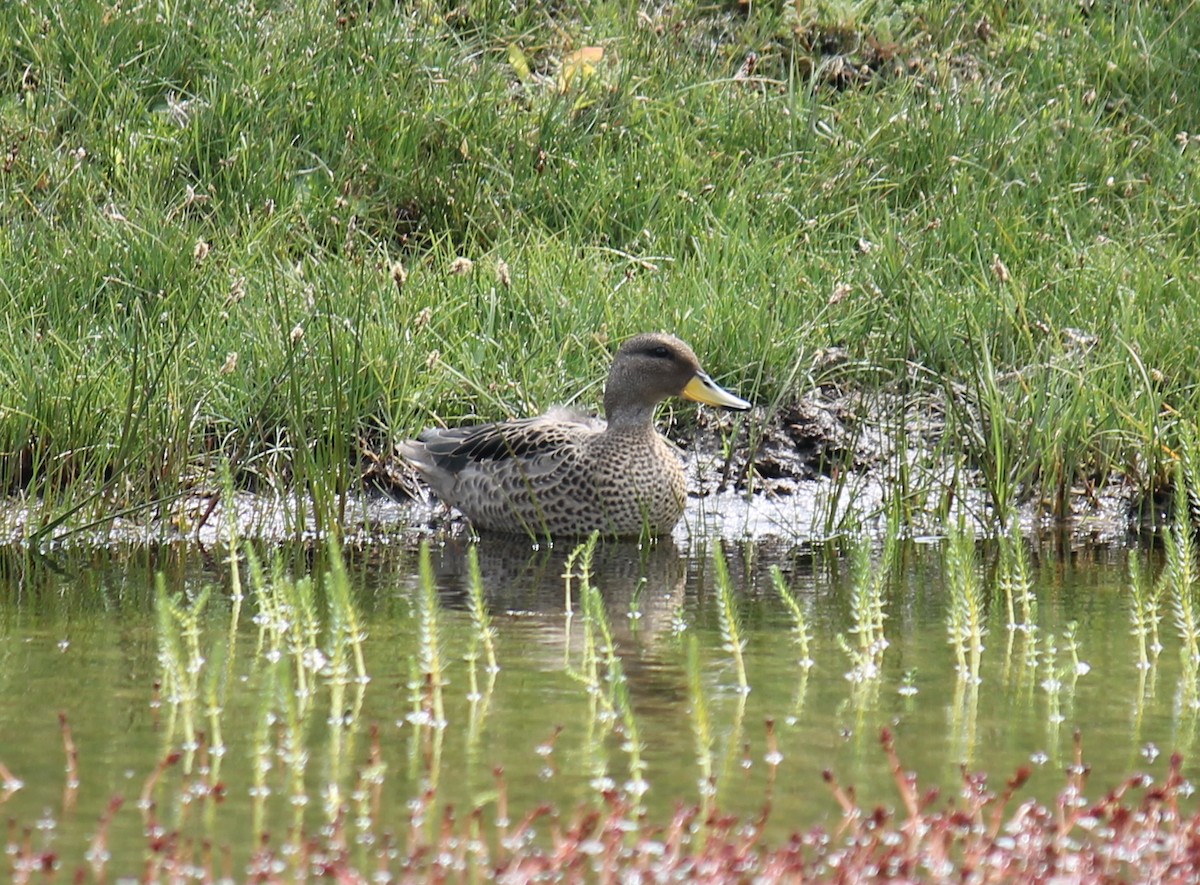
703, 389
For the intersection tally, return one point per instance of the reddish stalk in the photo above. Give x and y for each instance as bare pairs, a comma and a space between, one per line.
145, 800
11, 783
71, 787
98, 851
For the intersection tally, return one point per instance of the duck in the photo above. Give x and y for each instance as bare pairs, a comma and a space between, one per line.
562, 474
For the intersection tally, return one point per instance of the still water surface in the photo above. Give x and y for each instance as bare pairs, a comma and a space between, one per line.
79, 636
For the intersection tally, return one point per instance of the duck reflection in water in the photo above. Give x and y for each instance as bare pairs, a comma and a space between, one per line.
641, 584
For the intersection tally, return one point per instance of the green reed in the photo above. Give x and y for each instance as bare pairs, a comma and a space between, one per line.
344, 666
1015, 580
483, 638
964, 720
484, 634
729, 618
619, 699
181, 658
1180, 571
867, 612
1052, 685
800, 629
966, 620
1145, 612
701, 722
429, 656
995, 445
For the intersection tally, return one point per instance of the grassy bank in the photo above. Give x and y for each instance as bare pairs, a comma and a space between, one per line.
236, 231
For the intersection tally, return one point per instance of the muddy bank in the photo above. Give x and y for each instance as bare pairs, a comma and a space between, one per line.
832, 462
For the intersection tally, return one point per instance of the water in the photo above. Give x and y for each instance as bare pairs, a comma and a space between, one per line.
79, 636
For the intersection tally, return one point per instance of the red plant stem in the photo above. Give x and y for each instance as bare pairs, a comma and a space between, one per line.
375, 761
155, 701
26, 853
11, 783
549, 743
904, 784
385, 851
145, 800
501, 809
71, 788
1013, 784
850, 810
772, 741
99, 849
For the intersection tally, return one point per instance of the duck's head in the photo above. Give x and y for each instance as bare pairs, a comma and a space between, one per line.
651, 367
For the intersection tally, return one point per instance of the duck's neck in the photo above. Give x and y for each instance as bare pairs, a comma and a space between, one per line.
635, 419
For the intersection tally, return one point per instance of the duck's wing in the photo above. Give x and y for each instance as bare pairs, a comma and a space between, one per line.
528, 440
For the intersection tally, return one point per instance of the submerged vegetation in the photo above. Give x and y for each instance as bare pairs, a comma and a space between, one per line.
275, 760
282, 234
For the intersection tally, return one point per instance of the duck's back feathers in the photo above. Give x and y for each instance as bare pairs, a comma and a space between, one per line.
453, 449
529, 476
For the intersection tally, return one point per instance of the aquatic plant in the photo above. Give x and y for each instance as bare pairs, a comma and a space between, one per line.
1145, 612
701, 723
619, 699
483, 636
428, 678
966, 619
800, 629
288, 622
1015, 580
1052, 684
867, 596
1076, 666
963, 713
1135, 831
181, 660
1180, 571
728, 618
344, 670
1187, 476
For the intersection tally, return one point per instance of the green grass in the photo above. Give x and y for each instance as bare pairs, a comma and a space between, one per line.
184, 182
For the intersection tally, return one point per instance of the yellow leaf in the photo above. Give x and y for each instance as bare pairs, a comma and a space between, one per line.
520, 64
579, 65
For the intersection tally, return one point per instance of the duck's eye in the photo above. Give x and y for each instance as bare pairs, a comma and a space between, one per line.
661, 352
